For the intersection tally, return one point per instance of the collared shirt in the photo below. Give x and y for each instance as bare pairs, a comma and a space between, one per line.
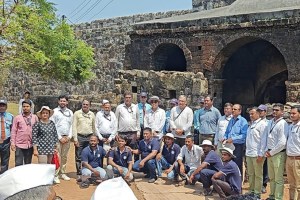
155, 120
192, 157
121, 158
146, 147
8, 121
63, 121
275, 136
142, 112
232, 175
213, 160
221, 128
167, 122
93, 157
21, 106
106, 124
171, 154
205, 120
237, 130
293, 142
254, 137
182, 119
83, 123
128, 118
21, 133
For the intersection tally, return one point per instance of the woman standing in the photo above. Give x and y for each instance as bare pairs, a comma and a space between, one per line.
44, 136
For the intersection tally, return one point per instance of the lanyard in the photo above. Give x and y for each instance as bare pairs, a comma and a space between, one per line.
273, 126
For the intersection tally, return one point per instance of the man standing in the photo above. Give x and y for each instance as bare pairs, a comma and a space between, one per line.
172, 103
62, 119
26, 96
148, 148
206, 120
196, 115
106, 125
21, 134
233, 181
127, 115
143, 107
83, 128
293, 154
155, 118
255, 152
181, 121
274, 141
6, 125
235, 134
221, 128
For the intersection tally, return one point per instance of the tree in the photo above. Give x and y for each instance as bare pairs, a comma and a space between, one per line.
34, 39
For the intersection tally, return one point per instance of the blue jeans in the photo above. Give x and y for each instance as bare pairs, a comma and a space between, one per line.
149, 168
87, 172
205, 177
4, 154
125, 171
163, 164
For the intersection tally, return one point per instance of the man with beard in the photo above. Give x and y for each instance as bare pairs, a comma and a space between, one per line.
21, 134
62, 119
83, 128
208, 167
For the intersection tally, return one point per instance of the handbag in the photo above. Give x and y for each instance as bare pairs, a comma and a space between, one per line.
55, 160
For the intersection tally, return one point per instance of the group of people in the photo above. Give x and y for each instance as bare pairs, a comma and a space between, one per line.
146, 138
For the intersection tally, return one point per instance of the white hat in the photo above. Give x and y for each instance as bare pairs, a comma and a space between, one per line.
25, 177
206, 142
170, 135
46, 108
228, 150
104, 101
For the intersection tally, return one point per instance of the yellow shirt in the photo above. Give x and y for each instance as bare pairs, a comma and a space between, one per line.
83, 123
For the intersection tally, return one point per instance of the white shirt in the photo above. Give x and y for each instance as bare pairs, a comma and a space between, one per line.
106, 124
293, 143
182, 120
221, 128
275, 135
63, 121
128, 118
155, 120
253, 139
192, 158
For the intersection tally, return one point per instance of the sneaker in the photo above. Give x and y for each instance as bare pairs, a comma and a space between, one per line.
65, 177
152, 180
263, 190
56, 180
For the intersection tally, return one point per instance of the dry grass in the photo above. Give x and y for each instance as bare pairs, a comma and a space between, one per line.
13, 108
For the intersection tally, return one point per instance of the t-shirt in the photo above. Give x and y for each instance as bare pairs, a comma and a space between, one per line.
213, 160
93, 157
232, 175
121, 159
147, 147
171, 154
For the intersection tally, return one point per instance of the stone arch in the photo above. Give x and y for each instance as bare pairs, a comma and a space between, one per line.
170, 55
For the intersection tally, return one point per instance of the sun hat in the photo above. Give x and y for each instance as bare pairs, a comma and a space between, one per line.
228, 150
44, 108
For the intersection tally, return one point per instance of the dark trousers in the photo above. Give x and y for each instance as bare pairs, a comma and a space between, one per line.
223, 188
23, 156
180, 141
107, 136
4, 154
186, 170
149, 168
265, 173
205, 177
209, 137
83, 142
239, 153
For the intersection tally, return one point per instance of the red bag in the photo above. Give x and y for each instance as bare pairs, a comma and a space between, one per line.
55, 160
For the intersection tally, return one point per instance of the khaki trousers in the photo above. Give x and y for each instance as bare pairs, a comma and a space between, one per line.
293, 175
255, 173
63, 150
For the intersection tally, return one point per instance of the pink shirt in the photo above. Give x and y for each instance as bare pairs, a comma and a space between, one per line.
21, 133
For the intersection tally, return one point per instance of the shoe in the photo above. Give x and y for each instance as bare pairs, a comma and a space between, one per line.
264, 190
85, 184
56, 180
65, 177
147, 176
152, 180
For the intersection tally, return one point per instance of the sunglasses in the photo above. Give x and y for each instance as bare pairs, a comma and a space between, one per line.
276, 110
154, 102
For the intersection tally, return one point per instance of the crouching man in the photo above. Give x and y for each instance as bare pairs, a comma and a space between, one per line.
120, 159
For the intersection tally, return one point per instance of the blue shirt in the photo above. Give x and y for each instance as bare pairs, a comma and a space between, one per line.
237, 130
213, 160
171, 154
167, 123
8, 121
147, 147
121, 159
232, 176
141, 112
93, 158
206, 120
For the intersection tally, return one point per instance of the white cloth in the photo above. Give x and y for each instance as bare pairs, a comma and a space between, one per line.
191, 158
275, 136
221, 128
293, 142
63, 121
155, 120
113, 189
128, 118
182, 120
106, 124
253, 140
25, 177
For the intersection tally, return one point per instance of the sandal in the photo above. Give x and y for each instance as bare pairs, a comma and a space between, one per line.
84, 184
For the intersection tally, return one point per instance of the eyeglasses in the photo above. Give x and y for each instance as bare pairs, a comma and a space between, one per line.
235, 109
276, 110
153, 102
143, 97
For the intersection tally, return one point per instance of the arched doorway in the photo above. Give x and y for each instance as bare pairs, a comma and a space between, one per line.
169, 57
254, 73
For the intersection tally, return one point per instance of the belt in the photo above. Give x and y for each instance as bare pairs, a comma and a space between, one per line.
294, 157
85, 136
283, 150
128, 132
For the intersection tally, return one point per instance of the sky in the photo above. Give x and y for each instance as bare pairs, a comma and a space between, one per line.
78, 11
